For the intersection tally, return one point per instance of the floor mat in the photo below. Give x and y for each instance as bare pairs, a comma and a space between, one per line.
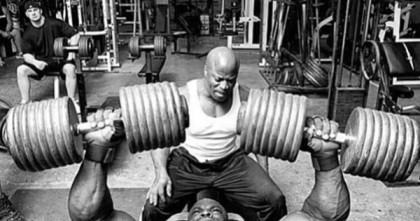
51, 204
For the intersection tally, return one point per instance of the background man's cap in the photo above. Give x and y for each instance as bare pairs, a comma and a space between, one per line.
31, 4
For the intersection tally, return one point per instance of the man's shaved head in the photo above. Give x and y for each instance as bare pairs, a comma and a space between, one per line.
220, 73
223, 59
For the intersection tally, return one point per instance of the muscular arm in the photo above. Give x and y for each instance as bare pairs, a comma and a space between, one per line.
90, 198
330, 198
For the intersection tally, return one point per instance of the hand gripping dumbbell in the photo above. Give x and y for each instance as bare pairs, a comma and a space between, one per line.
85, 47
375, 144
46, 134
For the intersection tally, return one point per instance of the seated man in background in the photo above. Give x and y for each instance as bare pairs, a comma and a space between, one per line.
90, 198
38, 53
5, 28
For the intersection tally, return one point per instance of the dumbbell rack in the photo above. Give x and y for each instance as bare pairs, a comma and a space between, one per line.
110, 58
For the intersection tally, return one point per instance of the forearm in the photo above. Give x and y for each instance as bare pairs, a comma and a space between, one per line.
89, 195
160, 159
330, 198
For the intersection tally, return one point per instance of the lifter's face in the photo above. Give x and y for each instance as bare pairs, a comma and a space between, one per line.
34, 14
220, 81
207, 210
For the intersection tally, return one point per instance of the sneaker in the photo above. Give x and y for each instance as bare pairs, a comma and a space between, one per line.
7, 212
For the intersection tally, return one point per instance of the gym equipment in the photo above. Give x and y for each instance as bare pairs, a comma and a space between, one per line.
85, 47
395, 66
136, 46
43, 135
153, 64
348, 89
154, 116
375, 144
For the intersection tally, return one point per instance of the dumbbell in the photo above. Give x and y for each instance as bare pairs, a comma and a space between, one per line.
46, 134
375, 144
85, 47
136, 46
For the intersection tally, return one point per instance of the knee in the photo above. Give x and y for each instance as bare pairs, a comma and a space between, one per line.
22, 71
70, 71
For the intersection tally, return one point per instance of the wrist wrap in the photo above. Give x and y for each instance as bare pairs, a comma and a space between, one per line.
99, 154
325, 163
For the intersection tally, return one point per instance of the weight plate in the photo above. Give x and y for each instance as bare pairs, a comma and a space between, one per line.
128, 124
133, 46
366, 146
269, 122
163, 112
262, 105
49, 130
180, 113
378, 127
33, 139
23, 143
173, 121
392, 147
408, 149
13, 136
282, 132
246, 121
300, 125
383, 147
157, 119
56, 126
41, 136
252, 126
148, 118
279, 108
290, 133
416, 149
399, 152
355, 130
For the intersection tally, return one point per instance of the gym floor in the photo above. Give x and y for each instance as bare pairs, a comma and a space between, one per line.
43, 195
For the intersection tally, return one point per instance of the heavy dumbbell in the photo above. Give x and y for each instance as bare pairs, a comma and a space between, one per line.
136, 46
375, 144
43, 135
85, 47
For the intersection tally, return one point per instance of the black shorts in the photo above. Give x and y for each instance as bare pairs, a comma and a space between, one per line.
55, 66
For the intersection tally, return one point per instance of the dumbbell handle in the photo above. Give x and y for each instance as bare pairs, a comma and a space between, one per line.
86, 127
341, 138
71, 48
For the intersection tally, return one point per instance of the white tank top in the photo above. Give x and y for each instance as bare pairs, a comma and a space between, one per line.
210, 138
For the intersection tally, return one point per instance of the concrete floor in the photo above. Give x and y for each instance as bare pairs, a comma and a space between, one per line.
371, 200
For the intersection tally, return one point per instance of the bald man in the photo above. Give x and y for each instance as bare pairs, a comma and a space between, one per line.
209, 157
